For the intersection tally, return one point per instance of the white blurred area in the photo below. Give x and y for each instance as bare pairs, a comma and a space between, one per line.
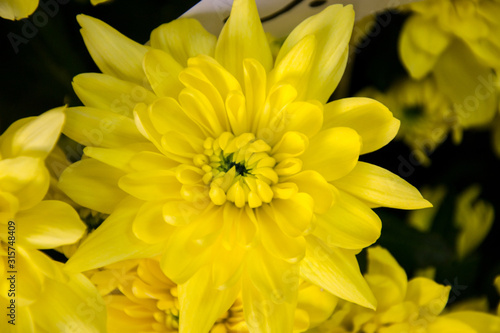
281, 16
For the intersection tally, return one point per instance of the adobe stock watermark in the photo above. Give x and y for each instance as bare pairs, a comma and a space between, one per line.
31, 26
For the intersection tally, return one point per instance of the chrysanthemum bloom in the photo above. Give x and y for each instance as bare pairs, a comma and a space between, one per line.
140, 298
233, 168
413, 306
426, 115
457, 42
45, 297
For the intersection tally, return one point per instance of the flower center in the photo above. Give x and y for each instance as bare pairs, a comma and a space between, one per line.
238, 169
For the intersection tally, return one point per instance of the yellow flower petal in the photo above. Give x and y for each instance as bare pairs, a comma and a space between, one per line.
167, 115
333, 152
293, 215
430, 296
119, 157
332, 29
106, 92
448, 325
26, 178
74, 305
275, 278
95, 127
163, 73
381, 187
479, 321
369, 118
243, 37
92, 184
151, 185
317, 302
183, 38
49, 224
149, 225
312, 183
265, 313
288, 248
112, 52
295, 67
37, 137
349, 224
195, 294
113, 241
337, 271
17, 9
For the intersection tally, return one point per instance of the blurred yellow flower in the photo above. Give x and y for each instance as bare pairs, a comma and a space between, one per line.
230, 165
425, 113
422, 219
413, 306
458, 43
473, 218
435, 24
45, 298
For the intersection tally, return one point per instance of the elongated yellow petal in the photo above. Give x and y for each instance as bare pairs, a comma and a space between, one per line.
369, 118
381, 187
263, 313
349, 224
167, 115
92, 184
106, 92
243, 37
163, 73
72, 305
183, 38
151, 185
332, 30
95, 127
119, 157
112, 52
294, 215
49, 224
337, 271
195, 294
17, 9
333, 152
113, 241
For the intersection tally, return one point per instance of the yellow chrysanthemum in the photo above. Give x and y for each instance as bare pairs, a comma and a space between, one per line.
35, 289
230, 165
20, 9
426, 115
413, 306
139, 297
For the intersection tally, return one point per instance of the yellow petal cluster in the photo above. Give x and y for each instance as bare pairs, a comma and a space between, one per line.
413, 306
43, 295
230, 164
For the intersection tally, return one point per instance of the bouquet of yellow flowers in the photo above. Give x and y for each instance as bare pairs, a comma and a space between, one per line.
233, 170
